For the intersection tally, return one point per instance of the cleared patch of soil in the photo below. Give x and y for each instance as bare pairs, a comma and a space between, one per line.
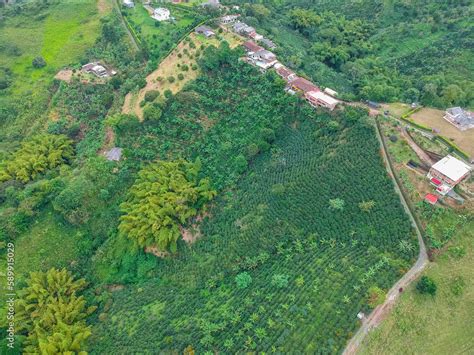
64, 75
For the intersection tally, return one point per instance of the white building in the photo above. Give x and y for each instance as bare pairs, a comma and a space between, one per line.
330, 92
161, 14
447, 173
225, 20
319, 98
128, 3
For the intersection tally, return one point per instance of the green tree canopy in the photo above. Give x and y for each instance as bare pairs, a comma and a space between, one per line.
163, 197
52, 314
35, 156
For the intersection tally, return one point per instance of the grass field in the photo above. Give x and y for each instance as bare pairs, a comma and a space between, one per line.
60, 33
434, 119
434, 325
158, 37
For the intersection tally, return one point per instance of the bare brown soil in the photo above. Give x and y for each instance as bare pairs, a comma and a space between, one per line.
64, 75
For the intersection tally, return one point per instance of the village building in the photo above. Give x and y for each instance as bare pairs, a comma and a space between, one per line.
250, 46
204, 30
285, 73
228, 19
128, 3
330, 92
318, 98
255, 36
267, 43
431, 199
95, 68
211, 3
263, 59
161, 14
447, 173
244, 29
303, 85
114, 154
459, 118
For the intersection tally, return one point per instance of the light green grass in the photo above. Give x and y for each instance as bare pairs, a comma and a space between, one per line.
48, 243
442, 324
61, 34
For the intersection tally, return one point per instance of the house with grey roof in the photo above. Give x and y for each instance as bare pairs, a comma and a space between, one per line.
460, 118
267, 43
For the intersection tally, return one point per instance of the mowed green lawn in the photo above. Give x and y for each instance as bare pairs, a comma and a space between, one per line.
60, 33
442, 324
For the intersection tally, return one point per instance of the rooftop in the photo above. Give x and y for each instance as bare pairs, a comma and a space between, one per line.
252, 46
432, 199
304, 85
319, 95
114, 154
452, 168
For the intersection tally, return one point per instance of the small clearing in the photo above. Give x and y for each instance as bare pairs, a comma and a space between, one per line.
64, 75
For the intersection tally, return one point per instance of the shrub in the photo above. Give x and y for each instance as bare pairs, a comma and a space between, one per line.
243, 280
171, 79
180, 76
280, 280
375, 296
39, 62
151, 95
426, 285
168, 93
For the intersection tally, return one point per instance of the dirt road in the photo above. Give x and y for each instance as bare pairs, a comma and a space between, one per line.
379, 313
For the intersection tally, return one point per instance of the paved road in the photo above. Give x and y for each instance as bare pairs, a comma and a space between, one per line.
132, 39
379, 313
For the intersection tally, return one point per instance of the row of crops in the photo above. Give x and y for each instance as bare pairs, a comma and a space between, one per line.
310, 266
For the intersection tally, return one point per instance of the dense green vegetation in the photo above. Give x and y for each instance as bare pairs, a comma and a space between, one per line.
36, 155
377, 50
165, 196
52, 313
295, 224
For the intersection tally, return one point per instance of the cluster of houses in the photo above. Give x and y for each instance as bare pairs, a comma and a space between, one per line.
459, 118
98, 69
264, 59
445, 175
245, 30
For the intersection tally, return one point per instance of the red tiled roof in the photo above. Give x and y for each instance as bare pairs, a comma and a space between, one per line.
252, 46
304, 85
435, 181
430, 198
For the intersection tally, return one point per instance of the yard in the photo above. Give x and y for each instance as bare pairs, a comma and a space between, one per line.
434, 119
159, 37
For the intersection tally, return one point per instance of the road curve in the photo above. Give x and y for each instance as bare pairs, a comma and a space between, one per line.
381, 311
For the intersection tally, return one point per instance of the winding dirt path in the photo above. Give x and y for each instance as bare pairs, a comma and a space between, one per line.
380, 312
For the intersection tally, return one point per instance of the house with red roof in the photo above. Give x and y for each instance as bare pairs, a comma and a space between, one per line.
303, 85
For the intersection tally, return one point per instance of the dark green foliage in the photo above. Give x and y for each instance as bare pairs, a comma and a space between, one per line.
38, 62
151, 95
324, 260
426, 285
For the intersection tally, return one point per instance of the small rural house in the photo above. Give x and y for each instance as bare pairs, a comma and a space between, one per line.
114, 154
211, 3
95, 68
263, 59
255, 36
250, 46
447, 173
204, 30
303, 85
267, 43
431, 199
459, 118
128, 3
319, 98
285, 73
161, 14
228, 19
330, 92
244, 29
